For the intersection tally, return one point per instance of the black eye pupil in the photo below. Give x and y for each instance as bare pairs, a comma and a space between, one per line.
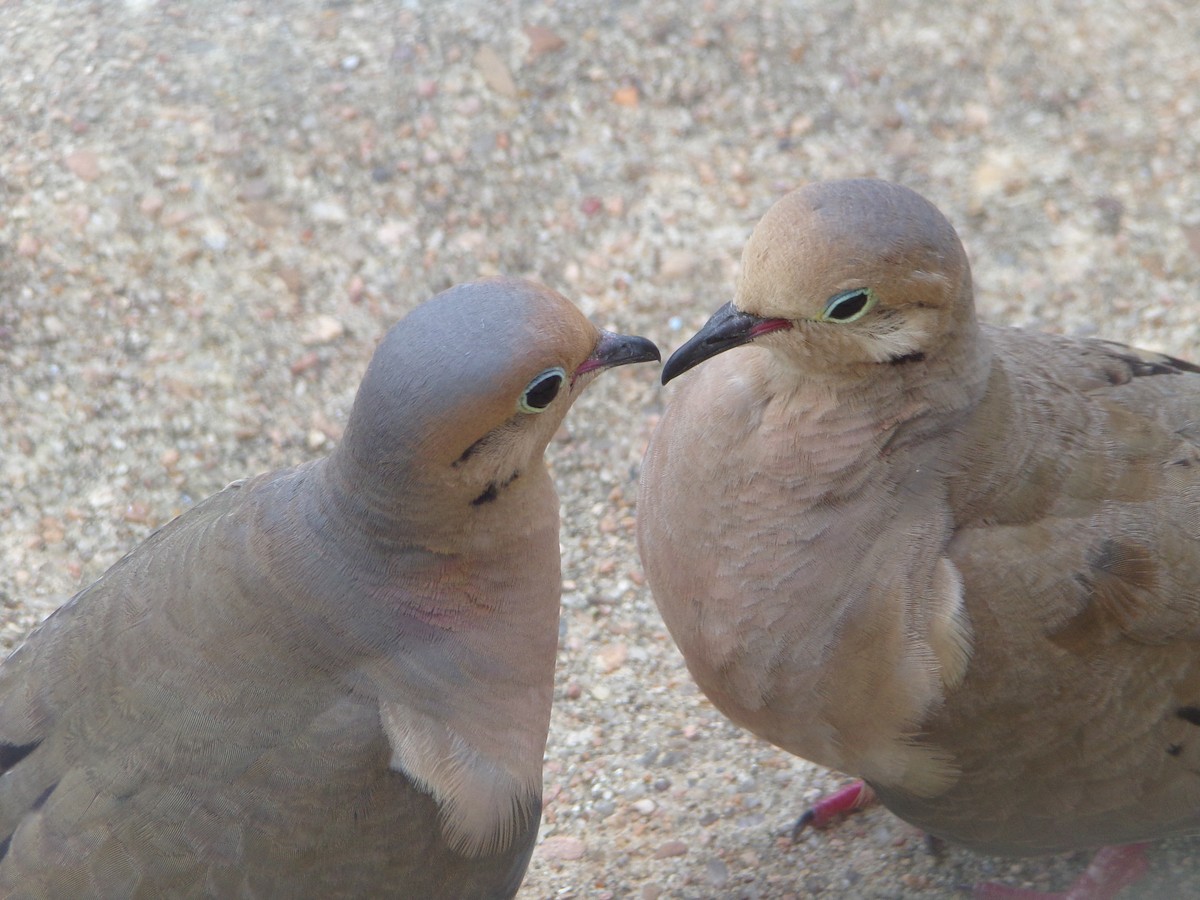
848, 307
540, 395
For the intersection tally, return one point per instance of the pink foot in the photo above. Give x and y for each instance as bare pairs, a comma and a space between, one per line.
1111, 870
832, 807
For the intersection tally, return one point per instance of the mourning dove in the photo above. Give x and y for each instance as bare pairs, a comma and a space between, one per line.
326, 681
960, 562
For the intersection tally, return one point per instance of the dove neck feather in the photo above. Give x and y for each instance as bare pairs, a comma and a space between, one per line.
458, 643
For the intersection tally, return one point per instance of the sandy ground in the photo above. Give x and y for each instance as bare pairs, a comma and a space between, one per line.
209, 213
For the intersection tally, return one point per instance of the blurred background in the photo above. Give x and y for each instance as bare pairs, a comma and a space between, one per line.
210, 212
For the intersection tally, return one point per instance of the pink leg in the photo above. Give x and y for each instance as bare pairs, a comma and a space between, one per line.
829, 808
1111, 870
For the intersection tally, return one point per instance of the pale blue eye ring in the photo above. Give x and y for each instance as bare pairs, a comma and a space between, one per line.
849, 306
541, 392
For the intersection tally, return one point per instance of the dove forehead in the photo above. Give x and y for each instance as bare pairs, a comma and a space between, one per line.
474, 348
487, 335
831, 236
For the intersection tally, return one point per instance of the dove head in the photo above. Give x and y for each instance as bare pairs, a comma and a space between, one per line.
465, 392
845, 274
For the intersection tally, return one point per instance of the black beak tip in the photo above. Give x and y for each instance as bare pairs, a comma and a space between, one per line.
621, 350
678, 363
653, 354
728, 328
639, 349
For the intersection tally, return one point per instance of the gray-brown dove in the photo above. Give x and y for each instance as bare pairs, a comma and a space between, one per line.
957, 561
326, 681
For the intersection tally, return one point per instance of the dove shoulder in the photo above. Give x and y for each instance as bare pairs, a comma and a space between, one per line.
1076, 503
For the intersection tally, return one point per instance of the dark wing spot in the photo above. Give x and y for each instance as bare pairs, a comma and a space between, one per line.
1166, 365
1189, 714
1175, 749
11, 754
916, 356
43, 796
1129, 561
1119, 583
1144, 367
1143, 363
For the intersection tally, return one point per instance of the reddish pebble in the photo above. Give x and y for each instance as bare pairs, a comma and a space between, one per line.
626, 96
562, 848
27, 245
84, 165
138, 513
542, 41
304, 363
671, 848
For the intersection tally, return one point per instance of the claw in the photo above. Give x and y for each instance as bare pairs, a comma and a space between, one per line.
833, 806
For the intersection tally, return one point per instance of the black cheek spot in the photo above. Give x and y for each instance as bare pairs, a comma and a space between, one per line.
918, 356
493, 490
1189, 714
1175, 749
11, 754
489, 494
466, 454
4, 847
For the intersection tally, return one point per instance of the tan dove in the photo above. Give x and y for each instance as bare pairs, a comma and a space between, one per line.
326, 681
957, 561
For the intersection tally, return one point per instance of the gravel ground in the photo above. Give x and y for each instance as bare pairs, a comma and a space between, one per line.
209, 213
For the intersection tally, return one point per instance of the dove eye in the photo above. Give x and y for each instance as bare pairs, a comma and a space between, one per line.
541, 391
849, 306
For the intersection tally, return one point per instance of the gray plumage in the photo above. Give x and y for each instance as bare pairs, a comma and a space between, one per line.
327, 681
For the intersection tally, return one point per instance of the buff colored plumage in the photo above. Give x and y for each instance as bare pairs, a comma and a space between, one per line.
960, 562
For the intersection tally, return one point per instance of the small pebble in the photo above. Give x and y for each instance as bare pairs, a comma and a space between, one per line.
28, 245
322, 329
626, 96
542, 41
84, 164
216, 240
717, 873
561, 848
670, 849
494, 71
328, 212
611, 657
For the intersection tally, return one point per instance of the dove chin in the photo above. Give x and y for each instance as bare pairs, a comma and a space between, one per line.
729, 327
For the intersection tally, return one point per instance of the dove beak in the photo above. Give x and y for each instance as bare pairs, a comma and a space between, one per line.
729, 327
614, 350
